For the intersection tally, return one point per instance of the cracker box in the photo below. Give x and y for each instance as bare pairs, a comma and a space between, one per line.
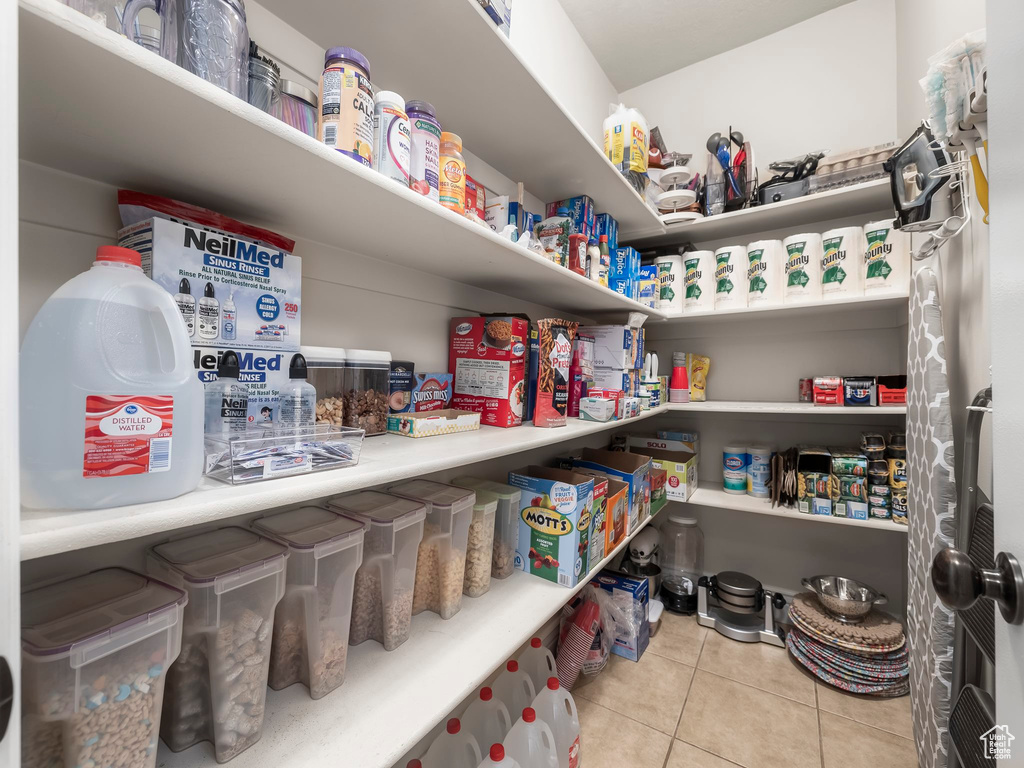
581, 212
263, 372
616, 346
632, 595
632, 469
605, 224
487, 358
233, 290
554, 523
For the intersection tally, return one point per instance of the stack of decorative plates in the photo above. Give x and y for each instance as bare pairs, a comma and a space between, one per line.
869, 657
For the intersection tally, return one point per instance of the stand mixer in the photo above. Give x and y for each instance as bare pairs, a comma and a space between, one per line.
642, 551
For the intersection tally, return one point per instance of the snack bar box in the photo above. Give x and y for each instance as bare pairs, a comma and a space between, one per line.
487, 357
616, 514
630, 468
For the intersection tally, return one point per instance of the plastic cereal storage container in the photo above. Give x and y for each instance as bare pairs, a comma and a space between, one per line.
441, 565
367, 385
506, 522
312, 620
382, 596
479, 545
95, 649
217, 688
325, 370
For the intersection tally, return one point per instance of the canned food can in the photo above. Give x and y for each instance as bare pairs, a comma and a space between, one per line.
806, 390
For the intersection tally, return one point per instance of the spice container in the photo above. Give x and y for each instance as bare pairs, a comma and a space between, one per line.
346, 104
367, 374
479, 545
217, 688
296, 107
506, 522
311, 624
382, 595
441, 563
95, 649
325, 370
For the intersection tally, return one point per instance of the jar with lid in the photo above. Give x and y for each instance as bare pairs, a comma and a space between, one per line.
682, 562
264, 79
346, 104
367, 377
296, 107
452, 184
325, 370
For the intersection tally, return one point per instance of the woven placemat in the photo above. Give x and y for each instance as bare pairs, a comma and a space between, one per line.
851, 667
877, 628
884, 690
866, 650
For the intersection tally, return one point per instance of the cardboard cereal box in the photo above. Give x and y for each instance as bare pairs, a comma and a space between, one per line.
487, 358
630, 468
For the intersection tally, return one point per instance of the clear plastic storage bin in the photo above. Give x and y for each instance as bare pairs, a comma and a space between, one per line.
217, 688
367, 386
312, 621
441, 565
325, 370
265, 453
506, 522
480, 545
95, 650
382, 595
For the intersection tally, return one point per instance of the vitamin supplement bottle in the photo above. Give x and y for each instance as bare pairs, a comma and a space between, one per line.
496, 758
453, 748
111, 408
227, 399
514, 688
425, 162
487, 719
555, 706
297, 404
452, 186
392, 145
228, 318
186, 305
346, 104
538, 662
531, 742
209, 314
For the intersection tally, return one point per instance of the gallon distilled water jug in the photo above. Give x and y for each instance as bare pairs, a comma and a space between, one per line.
453, 748
531, 742
538, 662
514, 688
487, 719
111, 408
555, 706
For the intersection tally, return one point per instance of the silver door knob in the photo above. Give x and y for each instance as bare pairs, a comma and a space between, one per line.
959, 583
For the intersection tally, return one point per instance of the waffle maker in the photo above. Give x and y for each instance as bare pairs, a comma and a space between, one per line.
737, 606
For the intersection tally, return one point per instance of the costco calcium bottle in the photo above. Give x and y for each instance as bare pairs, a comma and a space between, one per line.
111, 409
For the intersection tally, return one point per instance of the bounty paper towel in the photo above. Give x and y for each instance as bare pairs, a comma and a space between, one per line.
671, 279
842, 263
765, 273
802, 267
886, 258
730, 277
700, 281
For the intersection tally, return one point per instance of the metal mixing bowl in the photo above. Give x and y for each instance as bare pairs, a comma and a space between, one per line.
845, 599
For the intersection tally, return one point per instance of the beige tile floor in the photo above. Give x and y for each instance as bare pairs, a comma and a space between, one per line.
699, 700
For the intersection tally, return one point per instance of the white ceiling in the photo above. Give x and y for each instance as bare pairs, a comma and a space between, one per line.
676, 33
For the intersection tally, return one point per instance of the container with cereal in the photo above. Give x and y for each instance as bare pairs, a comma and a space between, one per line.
382, 594
441, 565
367, 385
479, 545
217, 689
95, 649
325, 368
311, 625
506, 522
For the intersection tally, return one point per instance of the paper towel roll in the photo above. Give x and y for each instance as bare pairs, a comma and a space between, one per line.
700, 281
886, 258
730, 277
766, 270
842, 263
802, 267
671, 283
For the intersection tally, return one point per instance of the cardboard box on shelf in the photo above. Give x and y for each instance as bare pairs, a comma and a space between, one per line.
632, 469
680, 468
432, 423
598, 522
666, 441
616, 346
632, 595
625, 263
616, 509
264, 372
626, 381
487, 357
496, 213
659, 480
605, 224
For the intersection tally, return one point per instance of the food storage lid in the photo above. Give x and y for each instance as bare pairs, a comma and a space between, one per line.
421, 107
324, 357
299, 91
368, 358
350, 55
98, 605
389, 97
438, 494
379, 508
502, 491
452, 138
210, 555
312, 527
485, 502
680, 519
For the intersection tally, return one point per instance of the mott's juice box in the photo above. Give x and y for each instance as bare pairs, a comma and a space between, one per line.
554, 523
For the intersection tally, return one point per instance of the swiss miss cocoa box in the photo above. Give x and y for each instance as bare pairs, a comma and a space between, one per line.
487, 357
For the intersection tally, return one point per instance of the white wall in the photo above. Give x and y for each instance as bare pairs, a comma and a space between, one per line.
826, 83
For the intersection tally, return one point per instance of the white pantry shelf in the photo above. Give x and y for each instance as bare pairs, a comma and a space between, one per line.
482, 90
391, 700
712, 495
384, 459
787, 409
126, 117
868, 303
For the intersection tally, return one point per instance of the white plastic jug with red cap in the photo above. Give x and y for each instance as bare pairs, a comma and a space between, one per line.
497, 758
555, 706
538, 662
514, 688
531, 742
487, 719
454, 747
111, 407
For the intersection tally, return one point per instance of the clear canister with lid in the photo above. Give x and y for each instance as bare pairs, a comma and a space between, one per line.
383, 590
311, 625
681, 556
325, 369
452, 181
441, 563
480, 545
297, 106
217, 689
95, 652
367, 385
506, 522
346, 104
